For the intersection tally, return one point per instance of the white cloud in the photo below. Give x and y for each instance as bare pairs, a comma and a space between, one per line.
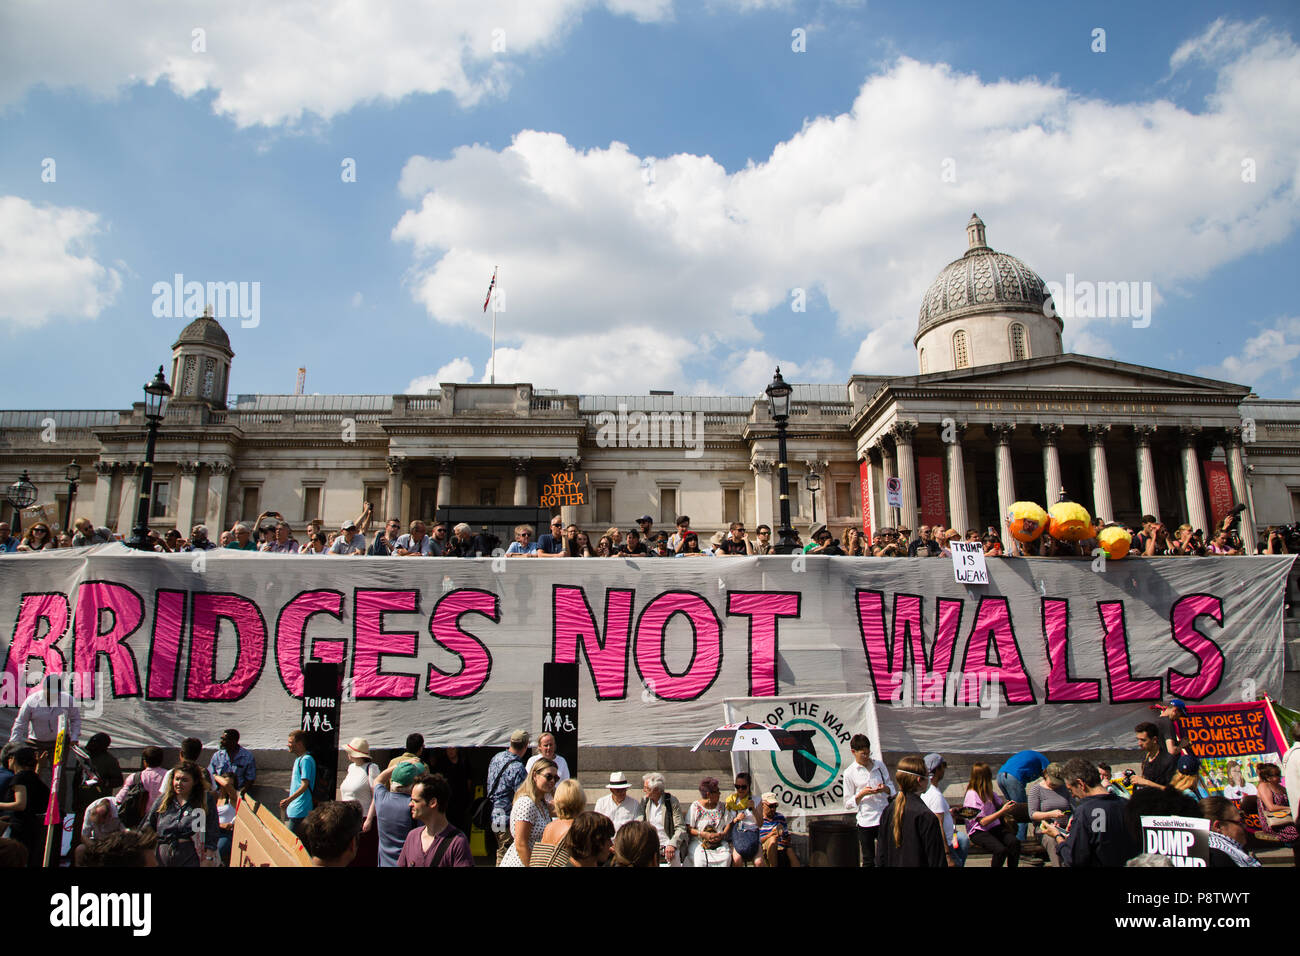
1271, 354
457, 370
357, 299
47, 264
601, 245
269, 63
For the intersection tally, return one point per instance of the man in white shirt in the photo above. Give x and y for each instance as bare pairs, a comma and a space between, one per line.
867, 788
618, 806
37, 722
546, 748
956, 843
1291, 771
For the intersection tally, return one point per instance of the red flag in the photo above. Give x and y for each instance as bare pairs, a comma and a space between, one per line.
491, 286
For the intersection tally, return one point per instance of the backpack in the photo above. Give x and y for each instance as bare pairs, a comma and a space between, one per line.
480, 813
133, 803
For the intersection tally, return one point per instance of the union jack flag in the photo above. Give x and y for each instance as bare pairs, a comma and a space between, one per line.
491, 286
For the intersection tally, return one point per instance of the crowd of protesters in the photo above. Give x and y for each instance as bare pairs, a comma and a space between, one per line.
271, 533
418, 810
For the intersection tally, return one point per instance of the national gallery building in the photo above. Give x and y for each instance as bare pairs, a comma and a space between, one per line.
996, 413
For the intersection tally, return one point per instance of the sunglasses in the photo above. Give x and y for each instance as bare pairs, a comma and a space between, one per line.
551, 777
525, 534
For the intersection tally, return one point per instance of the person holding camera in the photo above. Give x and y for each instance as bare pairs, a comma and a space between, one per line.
1274, 543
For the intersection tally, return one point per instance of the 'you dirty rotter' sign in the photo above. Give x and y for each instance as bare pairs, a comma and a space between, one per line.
563, 488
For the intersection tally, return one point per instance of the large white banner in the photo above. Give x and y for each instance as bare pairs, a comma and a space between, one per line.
1052, 653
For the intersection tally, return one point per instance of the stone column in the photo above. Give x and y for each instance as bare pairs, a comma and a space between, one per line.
130, 500
1196, 517
957, 481
569, 513
218, 496
187, 484
396, 466
887, 472
520, 465
1101, 505
103, 488
903, 433
1147, 496
1002, 432
445, 466
1049, 434
1240, 488
762, 468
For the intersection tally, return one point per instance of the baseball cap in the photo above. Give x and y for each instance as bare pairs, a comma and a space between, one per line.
407, 772
770, 797
519, 738
348, 525
645, 518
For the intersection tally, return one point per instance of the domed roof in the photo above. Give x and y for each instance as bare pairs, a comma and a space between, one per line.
205, 330
983, 280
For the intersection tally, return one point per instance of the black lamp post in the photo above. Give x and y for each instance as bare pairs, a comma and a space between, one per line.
814, 482
21, 494
72, 473
156, 394
778, 396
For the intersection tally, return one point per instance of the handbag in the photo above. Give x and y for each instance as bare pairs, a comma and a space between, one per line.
480, 813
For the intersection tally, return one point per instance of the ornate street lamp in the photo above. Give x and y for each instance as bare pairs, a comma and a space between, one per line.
21, 494
72, 473
814, 483
778, 396
156, 394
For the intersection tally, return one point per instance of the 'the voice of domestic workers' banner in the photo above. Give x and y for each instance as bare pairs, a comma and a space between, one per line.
160, 647
1231, 740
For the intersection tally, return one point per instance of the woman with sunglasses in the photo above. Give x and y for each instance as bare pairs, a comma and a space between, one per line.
38, 539
853, 543
531, 813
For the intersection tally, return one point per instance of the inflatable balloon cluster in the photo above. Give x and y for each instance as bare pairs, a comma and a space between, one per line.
1067, 521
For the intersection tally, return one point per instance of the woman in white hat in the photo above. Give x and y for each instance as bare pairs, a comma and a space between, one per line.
359, 787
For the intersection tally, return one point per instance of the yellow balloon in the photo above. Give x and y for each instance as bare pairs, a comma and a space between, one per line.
1026, 521
1116, 542
1070, 521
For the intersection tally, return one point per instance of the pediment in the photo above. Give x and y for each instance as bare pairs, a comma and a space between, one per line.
1071, 371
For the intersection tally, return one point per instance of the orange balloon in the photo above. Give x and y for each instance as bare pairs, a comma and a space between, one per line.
1026, 521
1116, 542
1070, 521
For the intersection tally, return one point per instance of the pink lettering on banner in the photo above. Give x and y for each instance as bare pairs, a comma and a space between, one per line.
444, 627
575, 625
250, 647
165, 645
29, 641
1124, 687
291, 649
94, 598
887, 659
1208, 654
706, 650
993, 625
763, 608
371, 643
1061, 689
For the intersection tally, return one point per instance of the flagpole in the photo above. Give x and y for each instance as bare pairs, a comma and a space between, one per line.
492, 380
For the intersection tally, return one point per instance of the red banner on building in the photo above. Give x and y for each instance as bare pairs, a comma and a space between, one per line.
864, 482
1219, 490
934, 504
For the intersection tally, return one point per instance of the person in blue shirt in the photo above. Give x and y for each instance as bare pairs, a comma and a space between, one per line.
553, 541
301, 782
523, 544
231, 757
1016, 774
8, 543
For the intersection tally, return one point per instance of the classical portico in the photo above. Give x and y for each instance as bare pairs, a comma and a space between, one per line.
1028, 429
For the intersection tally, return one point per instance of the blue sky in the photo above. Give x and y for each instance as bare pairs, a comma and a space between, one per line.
655, 180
